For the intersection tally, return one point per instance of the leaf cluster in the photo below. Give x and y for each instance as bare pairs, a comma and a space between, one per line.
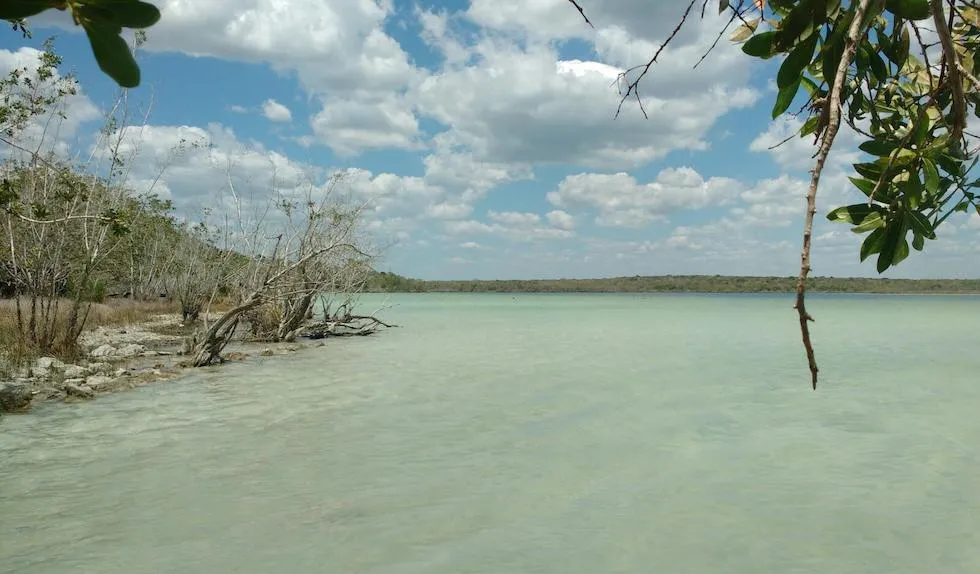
915, 170
103, 22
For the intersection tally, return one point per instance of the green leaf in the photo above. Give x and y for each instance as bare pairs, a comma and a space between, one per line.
794, 26
761, 45
918, 242
865, 185
869, 170
791, 71
901, 251
785, 98
909, 9
131, 13
810, 86
872, 243
809, 126
921, 225
878, 67
19, 9
113, 55
854, 214
833, 51
899, 51
931, 175
877, 148
894, 235
869, 223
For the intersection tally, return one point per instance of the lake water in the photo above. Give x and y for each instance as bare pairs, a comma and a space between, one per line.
556, 434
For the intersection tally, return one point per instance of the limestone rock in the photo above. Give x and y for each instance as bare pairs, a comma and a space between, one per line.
48, 363
76, 390
99, 367
130, 350
97, 382
75, 372
15, 397
103, 351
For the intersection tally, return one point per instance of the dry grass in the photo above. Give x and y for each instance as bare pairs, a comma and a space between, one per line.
16, 351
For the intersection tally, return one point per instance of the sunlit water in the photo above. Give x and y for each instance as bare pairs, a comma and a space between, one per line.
549, 434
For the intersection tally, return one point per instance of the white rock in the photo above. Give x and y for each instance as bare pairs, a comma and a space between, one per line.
75, 372
78, 390
99, 367
97, 382
130, 350
103, 351
48, 363
121, 373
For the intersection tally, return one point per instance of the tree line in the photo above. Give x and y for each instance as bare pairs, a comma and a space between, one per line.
392, 283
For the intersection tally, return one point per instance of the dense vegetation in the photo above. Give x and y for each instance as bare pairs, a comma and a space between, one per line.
392, 283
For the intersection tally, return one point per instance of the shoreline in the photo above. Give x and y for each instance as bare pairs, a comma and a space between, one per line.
121, 358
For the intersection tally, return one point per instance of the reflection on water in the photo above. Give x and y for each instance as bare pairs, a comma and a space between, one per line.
553, 434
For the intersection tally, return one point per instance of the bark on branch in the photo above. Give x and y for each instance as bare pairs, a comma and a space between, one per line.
832, 111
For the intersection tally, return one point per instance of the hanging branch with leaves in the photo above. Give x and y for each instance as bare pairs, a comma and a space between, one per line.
865, 64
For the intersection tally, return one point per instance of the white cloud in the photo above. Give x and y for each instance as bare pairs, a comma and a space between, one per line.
511, 225
514, 218
525, 106
623, 202
561, 219
351, 126
276, 112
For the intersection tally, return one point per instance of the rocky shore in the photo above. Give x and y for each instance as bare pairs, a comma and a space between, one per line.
116, 359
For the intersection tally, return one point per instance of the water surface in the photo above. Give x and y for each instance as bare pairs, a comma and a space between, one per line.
539, 433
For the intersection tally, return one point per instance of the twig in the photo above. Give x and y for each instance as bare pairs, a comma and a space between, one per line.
973, 79
735, 15
833, 111
633, 87
581, 11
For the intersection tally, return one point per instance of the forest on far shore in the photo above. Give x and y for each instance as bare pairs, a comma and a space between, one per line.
386, 282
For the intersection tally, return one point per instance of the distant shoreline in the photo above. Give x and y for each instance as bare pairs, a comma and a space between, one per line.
690, 284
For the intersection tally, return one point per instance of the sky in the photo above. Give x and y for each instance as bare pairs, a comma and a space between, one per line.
483, 135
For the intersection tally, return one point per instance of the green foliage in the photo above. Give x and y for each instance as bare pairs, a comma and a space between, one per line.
103, 22
908, 108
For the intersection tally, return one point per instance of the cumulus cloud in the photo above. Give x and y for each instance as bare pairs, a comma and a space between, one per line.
623, 202
276, 112
561, 219
525, 105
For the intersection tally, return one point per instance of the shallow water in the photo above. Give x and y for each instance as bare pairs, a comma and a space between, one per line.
542, 433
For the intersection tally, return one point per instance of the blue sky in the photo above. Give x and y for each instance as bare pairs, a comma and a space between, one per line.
482, 134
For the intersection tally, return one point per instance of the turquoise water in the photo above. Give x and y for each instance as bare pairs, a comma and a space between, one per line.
537, 433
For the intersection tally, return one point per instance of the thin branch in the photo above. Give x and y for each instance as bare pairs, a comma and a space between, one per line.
632, 89
953, 69
718, 37
833, 111
581, 11
973, 79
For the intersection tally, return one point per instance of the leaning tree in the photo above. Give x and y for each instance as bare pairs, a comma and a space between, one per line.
901, 73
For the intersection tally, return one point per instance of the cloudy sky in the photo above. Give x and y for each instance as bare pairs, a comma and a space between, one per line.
483, 134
